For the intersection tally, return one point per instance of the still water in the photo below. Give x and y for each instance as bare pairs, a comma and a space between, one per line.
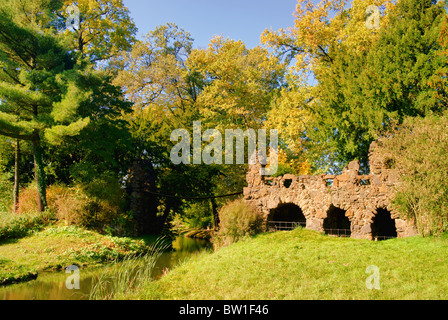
51, 285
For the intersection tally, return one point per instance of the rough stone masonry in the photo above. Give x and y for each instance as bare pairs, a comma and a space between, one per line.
358, 199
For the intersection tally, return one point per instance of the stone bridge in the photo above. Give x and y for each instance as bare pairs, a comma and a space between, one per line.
348, 204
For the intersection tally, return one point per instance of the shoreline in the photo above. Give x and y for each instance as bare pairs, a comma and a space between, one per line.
198, 233
55, 248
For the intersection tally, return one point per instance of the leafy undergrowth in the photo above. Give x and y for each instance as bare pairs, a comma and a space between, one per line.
13, 226
58, 247
304, 264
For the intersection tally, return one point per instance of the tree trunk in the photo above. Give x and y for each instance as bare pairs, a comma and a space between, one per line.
215, 213
142, 178
16, 177
39, 174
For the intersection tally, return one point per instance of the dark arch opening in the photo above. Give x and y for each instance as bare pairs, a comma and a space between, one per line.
336, 223
287, 183
383, 226
286, 216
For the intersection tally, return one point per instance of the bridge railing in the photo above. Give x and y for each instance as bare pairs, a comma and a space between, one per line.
285, 225
338, 232
291, 225
376, 238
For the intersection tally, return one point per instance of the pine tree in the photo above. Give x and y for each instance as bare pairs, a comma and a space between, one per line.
361, 93
39, 88
363, 79
405, 58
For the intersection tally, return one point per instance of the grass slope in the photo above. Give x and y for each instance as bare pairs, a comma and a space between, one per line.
304, 264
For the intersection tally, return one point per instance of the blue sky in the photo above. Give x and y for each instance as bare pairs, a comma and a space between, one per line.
237, 19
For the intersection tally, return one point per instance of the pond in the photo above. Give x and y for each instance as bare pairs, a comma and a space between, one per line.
52, 285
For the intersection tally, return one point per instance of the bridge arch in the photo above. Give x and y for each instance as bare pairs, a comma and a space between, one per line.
286, 216
337, 223
383, 226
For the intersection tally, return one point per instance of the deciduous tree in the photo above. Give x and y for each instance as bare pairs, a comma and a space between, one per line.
360, 79
105, 27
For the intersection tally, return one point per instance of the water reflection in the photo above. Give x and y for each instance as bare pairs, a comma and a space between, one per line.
51, 285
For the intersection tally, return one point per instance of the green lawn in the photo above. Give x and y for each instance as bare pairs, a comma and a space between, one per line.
304, 264
58, 247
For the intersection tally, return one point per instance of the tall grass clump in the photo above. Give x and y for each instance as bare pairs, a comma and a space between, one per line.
237, 221
132, 273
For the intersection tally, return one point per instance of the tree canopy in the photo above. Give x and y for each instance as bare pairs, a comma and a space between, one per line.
89, 103
361, 78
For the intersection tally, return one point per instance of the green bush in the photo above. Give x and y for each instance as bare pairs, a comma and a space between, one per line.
18, 226
237, 221
199, 215
418, 149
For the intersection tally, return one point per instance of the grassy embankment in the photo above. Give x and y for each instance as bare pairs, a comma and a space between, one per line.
304, 264
30, 244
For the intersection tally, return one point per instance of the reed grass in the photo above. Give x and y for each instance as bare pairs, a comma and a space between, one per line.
121, 278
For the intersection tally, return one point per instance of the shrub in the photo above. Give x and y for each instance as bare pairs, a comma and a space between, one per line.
418, 150
97, 205
28, 196
27, 200
237, 221
70, 206
199, 215
14, 226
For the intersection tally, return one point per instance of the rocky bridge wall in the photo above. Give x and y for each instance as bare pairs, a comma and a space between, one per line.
360, 203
